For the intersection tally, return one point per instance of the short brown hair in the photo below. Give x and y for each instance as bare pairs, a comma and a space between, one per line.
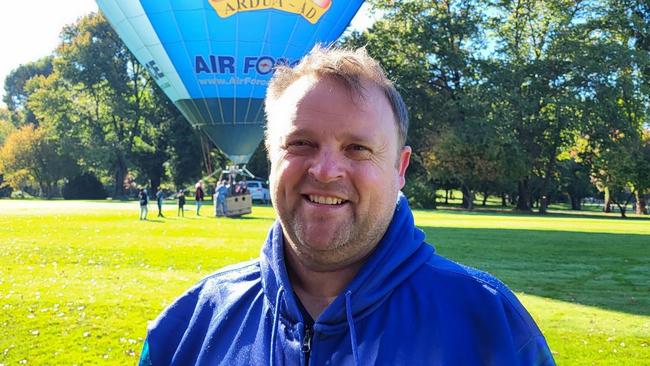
351, 67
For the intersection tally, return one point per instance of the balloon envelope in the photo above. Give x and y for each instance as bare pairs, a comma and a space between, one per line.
214, 58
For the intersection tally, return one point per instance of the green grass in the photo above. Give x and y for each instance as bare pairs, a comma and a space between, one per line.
80, 280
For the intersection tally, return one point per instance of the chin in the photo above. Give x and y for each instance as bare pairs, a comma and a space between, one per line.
319, 243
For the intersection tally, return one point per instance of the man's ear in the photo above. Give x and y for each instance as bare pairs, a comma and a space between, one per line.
402, 164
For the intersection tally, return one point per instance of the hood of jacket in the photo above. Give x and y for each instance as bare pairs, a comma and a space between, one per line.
400, 252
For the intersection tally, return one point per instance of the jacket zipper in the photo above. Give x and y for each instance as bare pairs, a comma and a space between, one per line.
306, 343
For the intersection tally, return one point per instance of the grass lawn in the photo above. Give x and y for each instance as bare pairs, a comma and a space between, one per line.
80, 280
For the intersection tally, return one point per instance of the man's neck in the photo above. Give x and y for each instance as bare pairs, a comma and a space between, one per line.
317, 289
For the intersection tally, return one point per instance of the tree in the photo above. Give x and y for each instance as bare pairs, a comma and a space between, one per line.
149, 151
16, 93
114, 87
180, 142
29, 155
428, 48
473, 156
6, 128
632, 18
59, 111
540, 49
616, 110
574, 181
108, 115
620, 168
259, 163
185, 156
640, 180
614, 168
562, 71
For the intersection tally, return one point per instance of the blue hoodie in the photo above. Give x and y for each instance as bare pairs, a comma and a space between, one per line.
406, 306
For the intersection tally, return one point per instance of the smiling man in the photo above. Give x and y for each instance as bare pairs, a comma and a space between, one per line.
344, 278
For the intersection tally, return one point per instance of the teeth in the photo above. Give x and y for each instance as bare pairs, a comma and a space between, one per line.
325, 200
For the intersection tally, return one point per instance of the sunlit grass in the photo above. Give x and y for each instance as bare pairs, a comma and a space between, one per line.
80, 280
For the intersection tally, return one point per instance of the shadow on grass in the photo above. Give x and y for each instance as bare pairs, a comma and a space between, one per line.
609, 271
589, 215
614, 215
157, 221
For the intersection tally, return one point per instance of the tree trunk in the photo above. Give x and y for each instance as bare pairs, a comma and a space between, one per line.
543, 205
468, 198
548, 173
50, 190
154, 183
446, 196
434, 188
119, 175
623, 207
206, 145
485, 198
504, 201
641, 204
45, 189
608, 201
523, 201
576, 203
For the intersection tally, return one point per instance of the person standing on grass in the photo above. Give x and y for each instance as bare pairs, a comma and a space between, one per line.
199, 195
181, 203
220, 193
344, 277
144, 201
160, 196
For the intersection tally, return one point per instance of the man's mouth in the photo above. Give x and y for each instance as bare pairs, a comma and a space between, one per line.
325, 200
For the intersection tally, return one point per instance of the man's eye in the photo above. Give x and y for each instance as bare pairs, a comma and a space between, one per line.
298, 146
358, 152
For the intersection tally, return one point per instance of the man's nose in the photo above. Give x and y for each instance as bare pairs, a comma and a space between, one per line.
327, 166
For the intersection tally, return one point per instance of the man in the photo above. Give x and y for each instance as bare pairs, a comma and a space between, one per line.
143, 197
160, 196
198, 196
344, 277
181, 203
220, 199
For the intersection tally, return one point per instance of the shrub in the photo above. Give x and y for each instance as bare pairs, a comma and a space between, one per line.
420, 195
84, 186
5, 189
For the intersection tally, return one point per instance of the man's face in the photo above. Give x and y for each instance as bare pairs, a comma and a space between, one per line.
336, 170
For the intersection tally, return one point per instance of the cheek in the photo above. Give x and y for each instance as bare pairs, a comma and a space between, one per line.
375, 181
285, 173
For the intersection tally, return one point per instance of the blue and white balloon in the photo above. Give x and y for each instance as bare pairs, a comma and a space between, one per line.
214, 58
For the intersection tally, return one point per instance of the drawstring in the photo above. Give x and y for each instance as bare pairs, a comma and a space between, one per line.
353, 332
276, 318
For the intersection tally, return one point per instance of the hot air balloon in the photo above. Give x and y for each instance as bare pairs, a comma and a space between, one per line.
214, 58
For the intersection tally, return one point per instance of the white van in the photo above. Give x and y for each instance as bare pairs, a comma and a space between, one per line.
259, 191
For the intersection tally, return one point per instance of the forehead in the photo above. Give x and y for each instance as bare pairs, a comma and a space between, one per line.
327, 104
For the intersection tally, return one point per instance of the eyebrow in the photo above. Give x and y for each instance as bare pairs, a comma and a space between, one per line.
346, 136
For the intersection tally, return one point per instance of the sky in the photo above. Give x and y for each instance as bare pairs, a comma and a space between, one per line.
29, 29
